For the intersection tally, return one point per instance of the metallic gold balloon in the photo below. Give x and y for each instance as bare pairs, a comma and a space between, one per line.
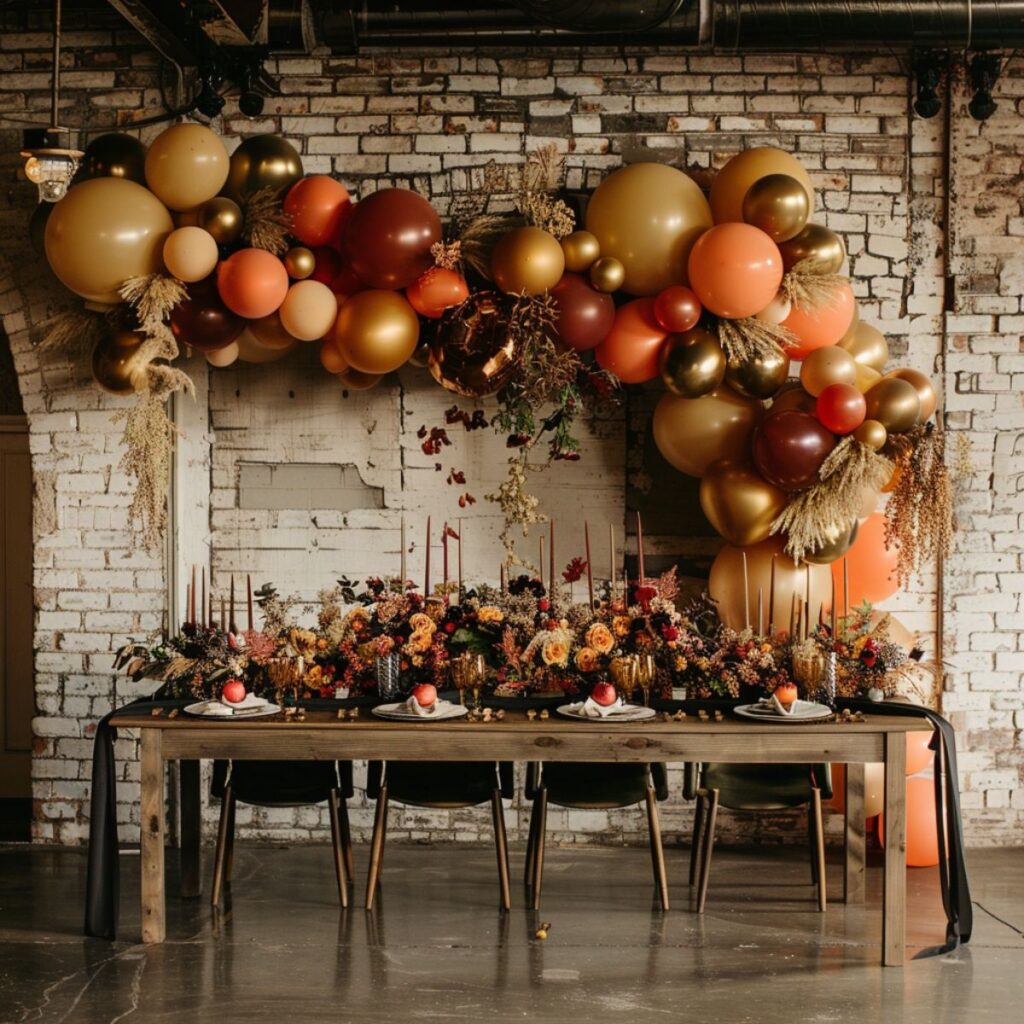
222, 217
840, 539
777, 204
738, 502
270, 333
299, 262
924, 388
825, 366
114, 155
527, 260
117, 363
264, 161
816, 249
692, 363
895, 404
607, 274
356, 380
867, 345
760, 377
376, 331
866, 378
872, 433
581, 249
472, 352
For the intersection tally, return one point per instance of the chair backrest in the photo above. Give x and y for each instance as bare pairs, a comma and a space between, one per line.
282, 783
765, 786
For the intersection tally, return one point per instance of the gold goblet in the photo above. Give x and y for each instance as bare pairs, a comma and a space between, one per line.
809, 670
459, 669
645, 672
624, 673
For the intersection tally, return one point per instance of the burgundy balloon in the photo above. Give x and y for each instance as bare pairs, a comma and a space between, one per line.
677, 309
789, 448
202, 321
328, 264
585, 315
388, 236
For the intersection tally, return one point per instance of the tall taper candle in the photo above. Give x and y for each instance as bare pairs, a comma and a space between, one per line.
192, 597
204, 611
832, 622
846, 597
223, 613
502, 576
248, 589
231, 615
590, 568
640, 549
771, 601
746, 593
611, 562
806, 618
462, 527
188, 600
551, 557
403, 569
792, 617
426, 564
444, 560
542, 559
760, 611
807, 603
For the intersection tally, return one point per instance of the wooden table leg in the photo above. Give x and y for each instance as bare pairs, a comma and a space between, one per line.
152, 835
895, 886
189, 803
853, 868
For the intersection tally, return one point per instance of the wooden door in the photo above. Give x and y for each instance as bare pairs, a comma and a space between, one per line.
17, 689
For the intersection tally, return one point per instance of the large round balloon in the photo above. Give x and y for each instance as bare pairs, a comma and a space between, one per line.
252, 283
630, 349
114, 155
585, 315
816, 328
692, 364
317, 207
262, 162
388, 236
436, 290
759, 377
527, 261
789, 448
103, 232
816, 250
735, 270
732, 183
921, 824
648, 216
118, 365
869, 565
895, 403
739, 503
186, 165
777, 204
867, 345
190, 254
924, 388
726, 584
376, 331
827, 365
308, 310
202, 321
691, 433
841, 408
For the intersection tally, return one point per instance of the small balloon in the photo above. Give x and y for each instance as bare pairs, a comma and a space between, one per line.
826, 366
924, 388
632, 346
262, 162
376, 331
308, 310
222, 217
330, 358
118, 363
739, 503
437, 290
355, 380
607, 274
114, 155
186, 165
691, 364
190, 254
735, 270
581, 249
317, 207
300, 263
815, 250
677, 309
841, 408
789, 448
223, 357
585, 316
895, 403
867, 345
776, 311
840, 537
761, 376
777, 204
252, 283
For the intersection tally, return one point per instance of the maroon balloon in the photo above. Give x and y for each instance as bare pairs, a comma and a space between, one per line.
585, 315
202, 321
388, 236
328, 264
789, 448
677, 309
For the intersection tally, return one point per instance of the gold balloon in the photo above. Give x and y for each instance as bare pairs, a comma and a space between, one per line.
222, 217
186, 165
691, 433
376, 331
840, 539
733, 181
726, 584
264, 161
872, 433
895, 404
103, 232
271, 333
299, 262
607, 274
867, 345
793, 396
252, 350
118, 364
825, 366
692, 363
356, 380
759, 377
472, 352
923, 386
866, 378
738, 502
777, 204
817, 249
581, 248
527, 260
648, 216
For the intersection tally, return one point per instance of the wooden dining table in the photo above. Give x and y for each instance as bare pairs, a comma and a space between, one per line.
320, 735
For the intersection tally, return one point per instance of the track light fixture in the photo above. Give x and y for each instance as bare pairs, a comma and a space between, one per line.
984, 73
929, 67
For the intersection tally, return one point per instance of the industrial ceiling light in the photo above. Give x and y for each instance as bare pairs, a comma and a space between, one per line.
50, 157
249, 74
984, 72
928, 69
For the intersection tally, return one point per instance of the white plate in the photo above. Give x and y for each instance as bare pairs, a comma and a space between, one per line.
803, 711
200, 711
443, 709
631, 713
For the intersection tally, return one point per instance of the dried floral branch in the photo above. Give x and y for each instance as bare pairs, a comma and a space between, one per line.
749, 338
76, 331
266, 225
480, 237
152, 297
810, 290
447, 255
547, 213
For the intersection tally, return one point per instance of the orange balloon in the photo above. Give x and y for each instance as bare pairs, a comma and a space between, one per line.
735, 270
317, 206
631, 348
922, 824
919, 754
252, 283
838, 800
820, 327
869, 564
436, 290
331, 359
874, 784
733, 181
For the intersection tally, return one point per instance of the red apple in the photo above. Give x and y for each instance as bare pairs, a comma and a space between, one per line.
787, 693
234, 691
425, 694
604, 694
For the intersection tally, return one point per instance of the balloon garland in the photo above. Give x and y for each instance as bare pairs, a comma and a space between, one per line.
242, 257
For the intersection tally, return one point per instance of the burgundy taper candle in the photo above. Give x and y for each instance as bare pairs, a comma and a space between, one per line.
248, 599
640, 548
426, 564
771, 601
192, 597
590, 568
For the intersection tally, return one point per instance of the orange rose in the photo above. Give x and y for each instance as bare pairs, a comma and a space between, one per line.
555, 653
421, 622
586, 659
488, 613
621, 624
600, 638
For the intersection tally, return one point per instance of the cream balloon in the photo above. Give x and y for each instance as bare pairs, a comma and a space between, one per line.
867, 345
776, 311
186, 165
190, 254
308, 310
223, 357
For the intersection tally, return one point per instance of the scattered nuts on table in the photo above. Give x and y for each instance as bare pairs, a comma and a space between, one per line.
545, 714
531, 713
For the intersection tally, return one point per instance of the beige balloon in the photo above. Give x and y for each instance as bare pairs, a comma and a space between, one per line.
251, 350
867, 345
190, 254
825, 366
186, 165
738, 502
309, 310
776, 311
691, 433
223, 357
866, 378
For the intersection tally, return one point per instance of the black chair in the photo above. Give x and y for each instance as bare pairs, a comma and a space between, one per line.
585, 786
282, 784
755, 787
439, 784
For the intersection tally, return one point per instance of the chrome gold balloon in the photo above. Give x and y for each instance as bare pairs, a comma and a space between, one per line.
760, 377
118, 364
777, 204
527, 260
840, 540
692, 363
738, 502
299, 262
607, 274
924, 388
816, 250
872, 433
222, 217
264, 161
581, 249
867, 345
895, 404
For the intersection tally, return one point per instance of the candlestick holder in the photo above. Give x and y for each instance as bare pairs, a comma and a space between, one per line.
830, 680
386, 670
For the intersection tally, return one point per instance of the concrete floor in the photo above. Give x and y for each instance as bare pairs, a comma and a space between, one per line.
437, 948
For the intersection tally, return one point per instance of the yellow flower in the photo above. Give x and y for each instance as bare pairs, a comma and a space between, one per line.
419, 621
420, 640
303, 641
555, 652
600, 638
586, 659
488, 613
358, 613
621, 624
